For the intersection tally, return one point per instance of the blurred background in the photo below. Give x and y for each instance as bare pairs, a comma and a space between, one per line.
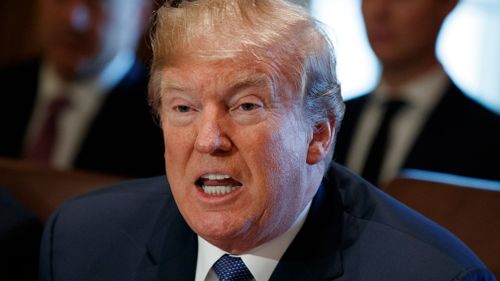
19, 26
468, 47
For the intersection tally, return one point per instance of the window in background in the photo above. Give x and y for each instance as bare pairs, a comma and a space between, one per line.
468, 47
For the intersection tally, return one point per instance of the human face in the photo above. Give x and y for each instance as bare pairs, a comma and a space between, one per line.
238, 126
404, 31
81, 36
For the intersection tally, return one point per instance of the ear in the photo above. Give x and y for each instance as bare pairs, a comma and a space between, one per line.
321, 141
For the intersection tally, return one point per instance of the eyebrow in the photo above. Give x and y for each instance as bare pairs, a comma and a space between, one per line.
172, 85
252, 80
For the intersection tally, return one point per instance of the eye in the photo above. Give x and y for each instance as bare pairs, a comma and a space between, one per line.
247, 109
182, 108
247, 106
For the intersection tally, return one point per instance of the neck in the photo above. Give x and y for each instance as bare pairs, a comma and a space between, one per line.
397, 74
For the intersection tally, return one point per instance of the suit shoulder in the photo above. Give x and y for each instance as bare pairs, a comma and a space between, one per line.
461, 104
124, 201
136, 188
377, 223
157, 184
14, 217
105, 230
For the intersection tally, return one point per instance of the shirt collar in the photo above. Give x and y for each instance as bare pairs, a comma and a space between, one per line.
86, 92
108, 78
422, 92
261, 261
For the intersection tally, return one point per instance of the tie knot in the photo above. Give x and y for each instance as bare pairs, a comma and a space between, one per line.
393, 106
230, 268
45, 142
59, 103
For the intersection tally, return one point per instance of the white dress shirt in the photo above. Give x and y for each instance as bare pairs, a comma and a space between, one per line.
261, 261
421, 96
85, 97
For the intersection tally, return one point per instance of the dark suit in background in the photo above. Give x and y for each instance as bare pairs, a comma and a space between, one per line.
20, 233
87, 47
459, 137
134, 231
122, 139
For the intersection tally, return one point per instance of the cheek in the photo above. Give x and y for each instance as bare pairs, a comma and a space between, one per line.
178, 145
280, 188
279, 153
292, 137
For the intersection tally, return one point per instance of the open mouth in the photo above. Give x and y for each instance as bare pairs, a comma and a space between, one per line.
217, 184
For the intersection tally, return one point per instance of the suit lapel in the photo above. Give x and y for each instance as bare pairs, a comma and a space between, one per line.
171, 251
444, 120
179, 255
354, 108
315, 253
19, 89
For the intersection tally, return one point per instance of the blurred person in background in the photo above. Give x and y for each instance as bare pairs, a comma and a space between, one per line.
82, 103
416, 117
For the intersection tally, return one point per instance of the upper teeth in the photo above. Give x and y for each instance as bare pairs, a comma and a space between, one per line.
215, 177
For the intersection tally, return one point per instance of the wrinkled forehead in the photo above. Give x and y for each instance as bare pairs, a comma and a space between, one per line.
210, 45
244, 57
209, 70
243, 35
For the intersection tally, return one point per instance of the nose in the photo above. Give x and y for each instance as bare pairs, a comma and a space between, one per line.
80, 17
211, 136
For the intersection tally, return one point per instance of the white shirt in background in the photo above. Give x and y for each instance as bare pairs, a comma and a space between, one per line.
421, 96
86, 98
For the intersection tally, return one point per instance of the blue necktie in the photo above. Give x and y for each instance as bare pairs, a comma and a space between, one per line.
230, 268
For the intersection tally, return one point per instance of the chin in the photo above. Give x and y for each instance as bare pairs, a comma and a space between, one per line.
221, 232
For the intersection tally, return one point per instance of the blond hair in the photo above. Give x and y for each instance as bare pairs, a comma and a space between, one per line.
270, 30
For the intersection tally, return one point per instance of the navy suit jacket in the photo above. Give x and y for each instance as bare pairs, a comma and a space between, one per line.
460, 137
122, 139
134, 231
20, 234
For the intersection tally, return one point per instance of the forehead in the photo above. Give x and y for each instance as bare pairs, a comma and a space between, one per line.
227, 73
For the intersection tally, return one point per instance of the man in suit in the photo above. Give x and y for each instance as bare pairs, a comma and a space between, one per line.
249, 128
436, 126
89, 69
